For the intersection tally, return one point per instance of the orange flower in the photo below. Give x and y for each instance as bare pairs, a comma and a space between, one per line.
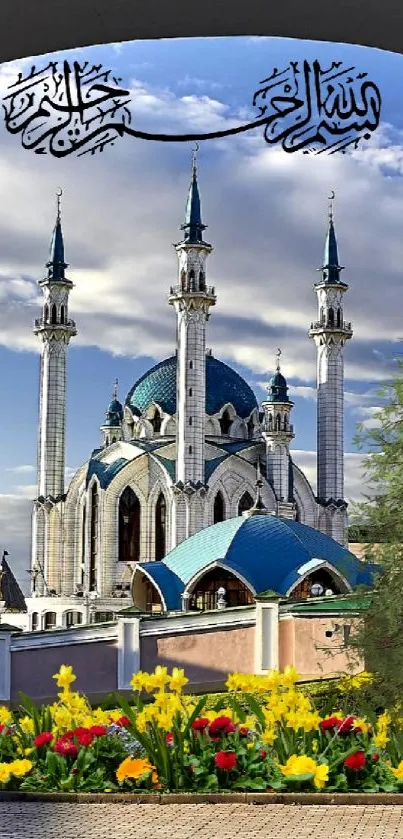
134, 769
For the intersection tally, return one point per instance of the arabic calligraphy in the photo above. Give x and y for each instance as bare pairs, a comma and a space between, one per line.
82, 109
78, 109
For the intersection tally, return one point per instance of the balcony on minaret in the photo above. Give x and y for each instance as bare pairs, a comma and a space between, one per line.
341, 326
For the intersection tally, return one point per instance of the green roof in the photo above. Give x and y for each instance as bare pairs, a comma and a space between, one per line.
329, 605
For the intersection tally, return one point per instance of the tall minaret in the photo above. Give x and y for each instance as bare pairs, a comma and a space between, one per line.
330, 332
55, 330
278, 434
192, 299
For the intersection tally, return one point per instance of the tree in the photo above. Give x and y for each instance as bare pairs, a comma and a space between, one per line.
379, 638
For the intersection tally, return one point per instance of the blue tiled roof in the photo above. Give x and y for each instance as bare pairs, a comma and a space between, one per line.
265, 550
211, 465
105, 472
168, 583
223, 385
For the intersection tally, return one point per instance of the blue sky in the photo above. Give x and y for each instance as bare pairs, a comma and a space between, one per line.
266, 212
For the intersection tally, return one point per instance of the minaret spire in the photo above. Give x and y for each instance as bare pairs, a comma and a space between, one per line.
111, 428
55, 329
330, 333
192, 300
278, 434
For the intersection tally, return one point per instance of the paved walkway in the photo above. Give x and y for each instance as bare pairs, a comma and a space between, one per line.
202, 821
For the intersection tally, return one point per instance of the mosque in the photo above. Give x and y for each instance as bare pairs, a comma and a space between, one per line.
193, 498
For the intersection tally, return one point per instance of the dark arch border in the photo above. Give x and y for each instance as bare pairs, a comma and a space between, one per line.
43, 26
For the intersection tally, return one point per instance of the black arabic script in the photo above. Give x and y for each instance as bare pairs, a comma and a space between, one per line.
82, 109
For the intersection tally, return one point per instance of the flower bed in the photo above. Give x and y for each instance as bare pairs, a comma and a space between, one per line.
173, 744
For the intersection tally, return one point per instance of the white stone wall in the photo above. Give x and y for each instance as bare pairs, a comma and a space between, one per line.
330, 442
52, 427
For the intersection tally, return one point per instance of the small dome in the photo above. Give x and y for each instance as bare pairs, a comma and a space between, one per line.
114, 414
223, 386
277, 388
268, 552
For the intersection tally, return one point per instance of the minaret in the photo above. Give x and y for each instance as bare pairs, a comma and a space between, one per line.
112, 427
55, 330
330, 332
278, 433
192, 300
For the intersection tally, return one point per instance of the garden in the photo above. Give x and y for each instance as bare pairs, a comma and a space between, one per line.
266, 734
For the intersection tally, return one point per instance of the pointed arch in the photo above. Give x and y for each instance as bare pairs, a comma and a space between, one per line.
156, 421
251, 428
245, 503
94, 536
160, 527
129, 526
218, 508
225, 422
330, 317
53, 318
46, 313
62, 313
278, 422
338, 319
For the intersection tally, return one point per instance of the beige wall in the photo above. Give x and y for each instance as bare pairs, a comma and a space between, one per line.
304, 645
207, 656
94, 664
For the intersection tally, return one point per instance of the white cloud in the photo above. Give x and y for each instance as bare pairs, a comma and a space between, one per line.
353, 472
24, 469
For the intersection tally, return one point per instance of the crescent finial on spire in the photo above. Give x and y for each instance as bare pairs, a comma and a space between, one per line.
331, 198
59, 193
278, 354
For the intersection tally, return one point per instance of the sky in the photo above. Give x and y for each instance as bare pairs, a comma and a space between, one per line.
266, 213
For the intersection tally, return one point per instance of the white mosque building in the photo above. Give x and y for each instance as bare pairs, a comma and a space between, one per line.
194, 482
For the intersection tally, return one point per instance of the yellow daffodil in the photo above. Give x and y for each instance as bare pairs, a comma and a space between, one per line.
398, 773
27, 725
178, 680
137, 681
65, 677
27, 752
289, 677
268, 736
5, 715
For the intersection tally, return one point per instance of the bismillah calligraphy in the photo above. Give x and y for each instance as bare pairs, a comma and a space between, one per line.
82, 109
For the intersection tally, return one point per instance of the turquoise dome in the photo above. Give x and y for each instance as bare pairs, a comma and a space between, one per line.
266, 551
114, 414
223, 385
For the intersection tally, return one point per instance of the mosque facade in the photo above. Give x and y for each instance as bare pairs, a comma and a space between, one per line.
189, 450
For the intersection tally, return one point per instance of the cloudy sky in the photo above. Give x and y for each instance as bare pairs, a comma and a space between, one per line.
266, 213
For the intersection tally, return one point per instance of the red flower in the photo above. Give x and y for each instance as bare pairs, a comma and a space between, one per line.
66, 748
98, 730
263, 754
122, 722
330, 723
243, 731
347, 726
220, 726
356, 761
85, 738
169, 739
225, 761
43, 739
200, 724
375, 757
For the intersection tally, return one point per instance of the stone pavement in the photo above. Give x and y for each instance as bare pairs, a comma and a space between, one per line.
198, 821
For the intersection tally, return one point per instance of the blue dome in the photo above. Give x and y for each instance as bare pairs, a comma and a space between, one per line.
266, 551
277, 388
114, 414
223, 385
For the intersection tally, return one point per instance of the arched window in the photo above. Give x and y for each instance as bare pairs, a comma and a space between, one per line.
156, 421
129, 526
278, 422
103, 617
73, 618
330, 317
219, 508
54, 314
285, 422
338, 317
192, 280
94, 537
46, 313
202, 281
245, 503
270, 423
225, 422
50, 620
62, 314
251, 428
160, 526
35, 617
322, 315
183, 279
83, 538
